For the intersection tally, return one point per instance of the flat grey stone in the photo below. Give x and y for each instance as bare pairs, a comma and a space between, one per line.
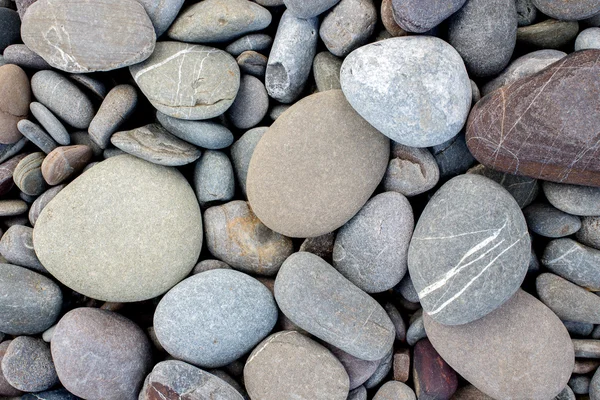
16, 246
30, 303
548, 34
11, 26
411, 171
453, 157
116, 107
50, 123
526, 12
207, 80
251, 103
395, 390
359, 371
548, 221
573, 261
523, 188
559, 10
348, 26
207, 134
588, 39
9, 208
241, 153
28, 174
37, 135
63, 34
214, 181
360, 393
253, 63
371, 249
326, 70
573, 199
24, 57
254, 41
407, 289
308, 8
213, 318
567, 300
161, 13
385, 366
464, 260
589, 234
428, 85
291, 57
27, 365
421, 16
317, 298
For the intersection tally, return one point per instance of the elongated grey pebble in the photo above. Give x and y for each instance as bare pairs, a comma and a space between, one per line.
37, 135
51, 124
326, 70
84, 138
348, 26
573, 199
241, 153
254, 41
161, 13
214, 181
579, 329
207, 134
589, 234
8, 208
117, 106
573, 261
253, 63
251, 103
416, 331
567, 300
24, 57
16, 246
28, 174
9, 150
382, 371
548, 221
523, 188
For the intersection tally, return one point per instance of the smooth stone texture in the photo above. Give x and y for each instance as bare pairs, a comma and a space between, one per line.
416, 331
588, 39
8, 166
371, 249
549, 34
589, 234
411, 171
251, 103
573, 261
291, 57
567, 300
548, 221
580, 384
427, 80
586, 348
10, 208
595, 386
526, 12
90, 85
319, 153
119, 349
401, 365
394, 390
206, 134
82, 137
38, 205
64, 162
579, 329
326, 70
351, 320
161, 13
531, 128
254, 41
573, 199
63, 35
10, 25
464, 260
236, 236
348, 26
27, 365
116, 107
24, 57
433, 378
213, 318
359, 393
388, 20
522, 188
288, 365
59, 394
213, 178
15, 95
585, 366
6, 388
470, 392
385, 366
16, 246
28, 174
521, 338
359, 371
396, 318
30, 303
253, 63
36, 135
50, 123
277, 110
212, 21
123, 198
453, 157
570, 11
308, 8
209, 265
420, 16
241, 154
407, 289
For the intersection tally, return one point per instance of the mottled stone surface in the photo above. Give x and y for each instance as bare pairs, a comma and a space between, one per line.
206, 134
573, 261
531, 127
394, 390
161, 13
241, 154
402, 365
420, 16
62, 34
521, 338
23, 56
16, 246
522, 188
432, 376
567, 300
15, 95
548, 221
27, 365
411, 170
589, 234
548, 34
64, 162
568, 11
214, 181
51, 124
574, 199
9, 208
116, 107
348, 26
326, 70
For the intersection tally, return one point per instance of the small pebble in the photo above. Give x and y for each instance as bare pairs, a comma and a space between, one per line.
209, 265
206, 134
589, 234
59, 394
6, 389
84, 138
48, 333
381, 373
432, 376
9, 208
573, 261
579, 329
397, 320
277, 110
11, 25
22, 56
567, 300
394, 390
38, 205
526, 12
326, 70
16, 246
580, 384
548, 221
548, 34
585, 366
28, 174
348, 26
411, 170
402, 365
588, 39
586, 348
116, 107
51, 124
359, 371
573, 199
309, 8
27, 365
7, 169
241, 153
253, 63
388, 20
416, 331
36, 135
64, 162
214, 181
407, 289
321, 246
254, 41
360, 393
251, 103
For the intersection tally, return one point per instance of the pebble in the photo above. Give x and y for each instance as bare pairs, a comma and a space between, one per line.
579, 329
213, 318
548, 34
548, 221
161, 13
484, 32
416, 331
16, 246
11, 26
585, 366
7, 169
359, 371
526, 12
64, 162
28, 174
59, 394
524, 107
580, 384
326, 70
176, 378
116, 107
251, 104
214, 181
292, 364
453, 157
422, 16
393, 390
434, 107
277, 110
308, 8
543, 353
588, 39
594, 390
73, 45
253, 63
371, 249
208, 80
27, 365
558, 9
573, 261
91, 85
85, 139
254, 41
50, 123
211, 21
432, 376
567, 300
321, 246
319, 152
407, 289
573, 199
388, 20
586, 348
9, 208
461, 251
348, 26
6, 389
14, 101
38, 205
351, 320
124, 198
235, 236
411, 171
24, 57
48, 333
381, 373
209, 265
522, 188
100, 354
566, 394
30, 303
360, 393
396, 318
589, 234
402, 365
207, 134
241, 153
36, 135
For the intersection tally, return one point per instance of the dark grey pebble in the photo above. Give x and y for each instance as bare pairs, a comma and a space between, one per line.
580, 384
90, 84
27, 365
360, 393
567, 300
326, 70
415, 332
214, 181
358, 19
579, 329
407, 289
9, 150
207, 134
10, 32
453, 157
84, 138
550, 222
253, 63
241, 153
24, 57
116, 107
16, 246
397, 320
254, 41
573, 261
524, 189
6, 388
37, 135
420, 16
51, 124
382, 371
411, 170
251, 103
589, 234
526, 12
321, 246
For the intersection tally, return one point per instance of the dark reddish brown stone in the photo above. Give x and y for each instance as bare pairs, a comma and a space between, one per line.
433, 378
544, 126
6, 173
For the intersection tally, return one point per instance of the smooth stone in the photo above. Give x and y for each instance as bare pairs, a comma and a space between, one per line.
475, 93
567, 300
381, 373
432, 108
415, 332
548, 221
36, 135
30, 303
580, 384
595, 386
214, 181
484, 32
526, 12
388, 20
241, 154
308, 8
573, 199
585, 366
209, 265
212, 21
161, 13
411, 171
407, 289
277, 110
421, 16
254, 41
351, 320
253, 63
38, 205
290, 364
549, 34
397, 320
321, 246
571, 11
453, 157
10, 24
393, 390
215, 317
208, 80
371, 249
401, 367
433, 378
59, 394
548, 138
224, 376
348, 26
291, 57
9, 208
360, 393
91, 85
470, 392
326, 70
586, 348
123, 197
24, 57
269, 3
251, 103
48, 333
116, 107
16, 246
63, 34
64, 162
494, 353
522, 188
318, 153
63, 98
155, 144
120, 351
522, 67
573, 261
7, 152
112, 152
6, 389
591, 22
85, 139
588, 39
50, 123
580, 329
206, 134
359, 371
27, 365
234, 235
461, 251
28, 174
589, 234
15, 95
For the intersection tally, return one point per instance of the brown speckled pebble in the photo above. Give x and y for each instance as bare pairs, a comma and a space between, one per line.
28, 174
65, 161
15, 96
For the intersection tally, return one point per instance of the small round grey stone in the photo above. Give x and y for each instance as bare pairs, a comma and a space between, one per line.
523, 188
573, 261
253, 41
567, 300
326, 69
411, 170
38, 205
573, 199
395, 390
588, 39
37, 135
358, 19
206, 134
580, 384
571, 11
308, 8
116, 107
16, 246
241, 153
214, 181
24, 57
208, 265
253, 63
161, 13
359, 371
420, 16
49, 121
27, 365
251, 103
548, 221
382, 371
589, 234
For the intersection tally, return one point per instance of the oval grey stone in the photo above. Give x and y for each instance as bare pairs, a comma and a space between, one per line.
116, 107
161, 13
326, 70
567, 300
37, 135
573, 261
523, 188
420, 16
251, 103
411, 170
38, 205
359, 371
27, 365
526, 12
207, 134
10, 208
213, 178
241, 153
16, 246
548, 221
253, 41
308, 8
573, 199
453, 157
395, 390
49, 121
24, 57
589, 234
28, 174
253, 63
588, 39
548, 34
358, 19
570, 11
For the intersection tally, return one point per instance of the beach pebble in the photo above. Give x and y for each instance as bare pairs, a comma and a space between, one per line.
16, 246
573, 261
15, 95
579, 329
59, 394
580, 384
589, 234
214, 181
526, 12
326, 70
11, 25
393, 390
522, 188
321, 246
432, 376
588, 39
421, 16
308, 8
251, 103
51, 124
116, 107
253, 63
416, 331
382, 371
453, 157
407, 289
254, 41
397, 320
548, 221
411, 171
401, 365
567, 300
573, 199
6, 389
206, 134
558, 9
360, 393
209, 265
9, 208
41, 201
27, 365
586, 348
241, 154
64, 162
7, 169
28, 174
161, 13
548, 34
24, 57
359, 371
470, 392
348, 26
82, 137
90, 85
36, 135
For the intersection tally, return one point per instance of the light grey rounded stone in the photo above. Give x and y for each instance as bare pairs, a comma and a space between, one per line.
573, 199
211, 21
422, 16
162, 13
27, 365
36, 135
411, 170
241, 153
48, 333
588, 39
426, 80
214, 181
326, 70
207, 134
567, 394
30, 302
291, 57
348, 26
470, 250
317, 298
63, 98
371, 249
10, 208
523, 188
548, 221
254, 41
207, 80
382, 371
124, 198
50, 123
526, 12
16, 246
116, 107
308, 8
213, 318
416, 331
567, 300
395, 390
277, 110
251, 103
589, 234
24, 57
573, 261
